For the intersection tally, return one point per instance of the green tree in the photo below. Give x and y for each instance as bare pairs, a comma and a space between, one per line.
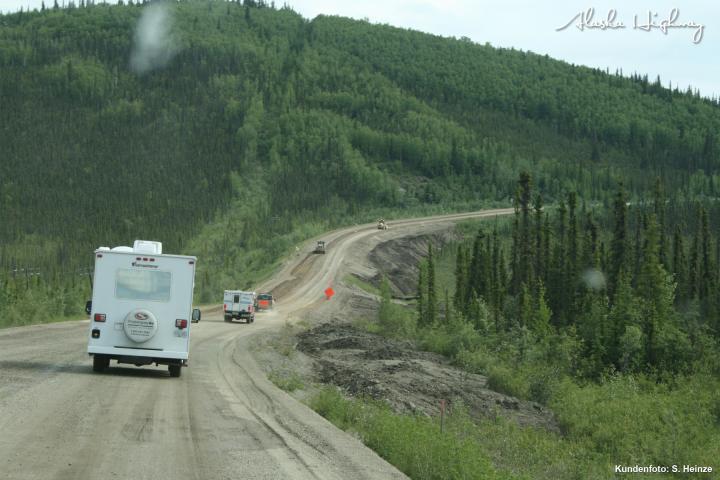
461, 278
422, 294
431, 288
657, 291
680, 266
625, 314
478, 274
618, 253
522, 268
540, 240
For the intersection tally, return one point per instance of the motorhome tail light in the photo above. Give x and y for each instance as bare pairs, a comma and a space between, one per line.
181, 323
249, 308
99, 317
224, 306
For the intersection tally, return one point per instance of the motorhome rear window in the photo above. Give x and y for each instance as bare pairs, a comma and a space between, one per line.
143, 285
246, 298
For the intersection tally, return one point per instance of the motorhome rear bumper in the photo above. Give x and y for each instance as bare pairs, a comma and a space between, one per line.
117, 352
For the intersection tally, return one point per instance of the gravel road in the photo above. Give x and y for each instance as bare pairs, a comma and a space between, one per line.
221, 420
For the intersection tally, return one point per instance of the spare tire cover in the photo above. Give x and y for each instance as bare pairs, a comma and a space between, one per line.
140, 325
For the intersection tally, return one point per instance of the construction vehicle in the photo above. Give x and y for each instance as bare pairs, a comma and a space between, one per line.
320, 247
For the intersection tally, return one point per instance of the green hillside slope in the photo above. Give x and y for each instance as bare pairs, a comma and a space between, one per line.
257, 122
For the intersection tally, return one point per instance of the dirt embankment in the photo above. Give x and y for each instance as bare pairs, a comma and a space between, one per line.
398, 260
363, 364
411, 381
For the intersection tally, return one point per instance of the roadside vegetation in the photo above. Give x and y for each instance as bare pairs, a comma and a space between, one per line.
413, 444
288, 381
610, 318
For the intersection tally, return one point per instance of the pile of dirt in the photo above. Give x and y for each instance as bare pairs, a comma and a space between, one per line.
398, 260
364, 364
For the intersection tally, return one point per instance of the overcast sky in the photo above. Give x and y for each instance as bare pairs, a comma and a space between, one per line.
528, 25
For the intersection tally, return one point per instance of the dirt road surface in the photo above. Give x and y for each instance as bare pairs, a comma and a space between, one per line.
221, 420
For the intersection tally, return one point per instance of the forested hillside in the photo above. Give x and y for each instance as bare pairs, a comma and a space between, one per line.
233, 130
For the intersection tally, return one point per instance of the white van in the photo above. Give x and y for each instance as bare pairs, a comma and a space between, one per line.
141, 308
239, 304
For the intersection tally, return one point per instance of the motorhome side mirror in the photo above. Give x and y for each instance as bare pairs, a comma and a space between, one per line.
196, 315
88, 307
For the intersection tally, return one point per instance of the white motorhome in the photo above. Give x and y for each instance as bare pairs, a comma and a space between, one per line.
141, 308
239, 304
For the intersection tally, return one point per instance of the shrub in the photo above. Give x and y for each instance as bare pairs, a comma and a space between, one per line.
286, 381
413, 444
635, 420
393, 319
503, 380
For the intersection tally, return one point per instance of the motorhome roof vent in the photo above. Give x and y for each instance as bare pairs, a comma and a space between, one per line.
147, 246
121, 249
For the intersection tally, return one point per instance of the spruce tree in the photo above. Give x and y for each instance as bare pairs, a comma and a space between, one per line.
572, 240
657, 292
539, 239
680, 267
515, 250
707, 291
447, 318
546, 239
431, 288
693, 280
522, 247
571, 268
461, 279
525, 260
706, 268
422, 294
477, 276
557, 288
659, 210
618, 247
498, 279
624, 314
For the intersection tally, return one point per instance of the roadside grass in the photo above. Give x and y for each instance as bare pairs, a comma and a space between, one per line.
284, 341
288, 381
364, 285
635, 420
366, 324
22, 319
623, 419
41, 304
413, 444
